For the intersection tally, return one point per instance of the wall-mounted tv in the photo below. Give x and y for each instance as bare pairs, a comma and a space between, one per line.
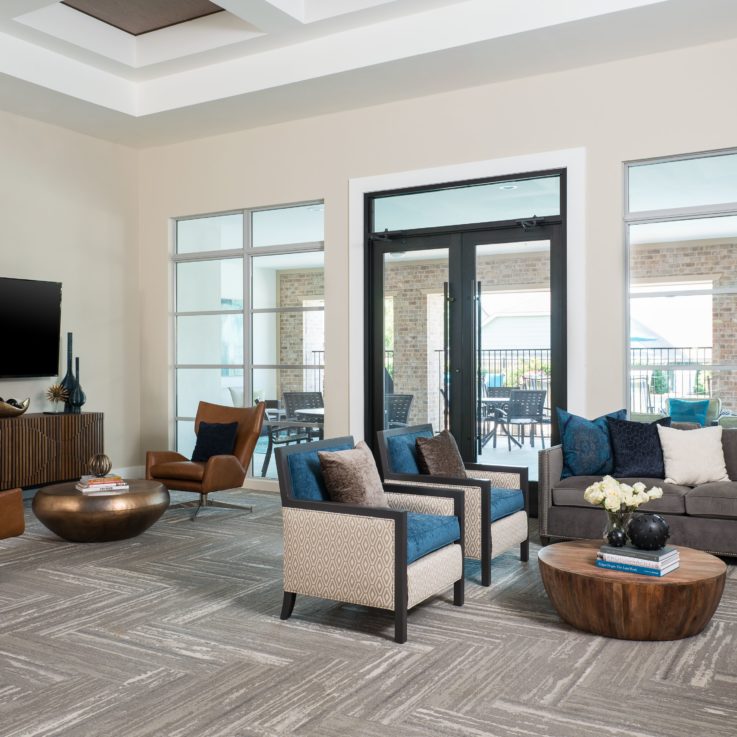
30, 321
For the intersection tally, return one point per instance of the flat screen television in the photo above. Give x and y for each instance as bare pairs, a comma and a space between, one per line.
30, 321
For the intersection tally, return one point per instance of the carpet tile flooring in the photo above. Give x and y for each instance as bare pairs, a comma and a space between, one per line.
176, 633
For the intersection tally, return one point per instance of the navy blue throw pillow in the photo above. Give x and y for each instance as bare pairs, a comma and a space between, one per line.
214, 439
586, 447
636, 448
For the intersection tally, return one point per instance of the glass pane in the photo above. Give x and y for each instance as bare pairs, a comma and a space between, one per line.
210, 285
219, 386
300, 224
186, 438
213, 339
287, 280
707, 180
296, 417
415, 381
214, 233
478, 203
514, 358
296, 338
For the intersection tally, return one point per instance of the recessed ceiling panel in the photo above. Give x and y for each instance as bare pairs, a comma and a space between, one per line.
143, 16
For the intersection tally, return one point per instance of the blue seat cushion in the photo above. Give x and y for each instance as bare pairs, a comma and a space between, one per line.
429, 532
307, 480
402, 453
689, 410
587, 450
505, 502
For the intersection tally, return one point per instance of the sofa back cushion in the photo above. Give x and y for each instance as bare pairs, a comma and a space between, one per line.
401, 451
636, 448
729, 446
306, 474
587, 449
693, 457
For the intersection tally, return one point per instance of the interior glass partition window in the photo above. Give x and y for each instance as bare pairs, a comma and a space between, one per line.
249, 322
683, 284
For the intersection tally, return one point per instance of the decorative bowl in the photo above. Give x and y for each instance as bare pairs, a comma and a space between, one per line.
8, 410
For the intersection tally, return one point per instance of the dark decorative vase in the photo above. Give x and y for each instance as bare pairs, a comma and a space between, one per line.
78, 397
68, 382
649, 531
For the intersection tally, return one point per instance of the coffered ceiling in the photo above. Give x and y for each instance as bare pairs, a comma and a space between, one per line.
150, 71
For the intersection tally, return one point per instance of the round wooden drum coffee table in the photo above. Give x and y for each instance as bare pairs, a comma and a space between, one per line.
87, 518
627, 605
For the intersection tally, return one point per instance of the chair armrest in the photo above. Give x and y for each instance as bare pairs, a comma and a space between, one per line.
12, 519
550, 464
222, 472
154, 457
426, 500
503, 477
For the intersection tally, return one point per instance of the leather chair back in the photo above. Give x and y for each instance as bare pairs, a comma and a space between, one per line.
249, 421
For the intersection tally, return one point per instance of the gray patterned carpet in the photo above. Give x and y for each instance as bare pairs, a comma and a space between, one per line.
176, 633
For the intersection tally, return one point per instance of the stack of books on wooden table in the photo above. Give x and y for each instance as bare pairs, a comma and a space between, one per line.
110, 484
633, 560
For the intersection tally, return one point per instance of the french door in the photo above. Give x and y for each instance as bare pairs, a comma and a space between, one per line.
464, 325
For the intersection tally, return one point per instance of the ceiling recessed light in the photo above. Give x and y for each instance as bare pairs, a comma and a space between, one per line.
507, 186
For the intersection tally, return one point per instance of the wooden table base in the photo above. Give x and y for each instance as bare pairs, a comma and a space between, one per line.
627, 605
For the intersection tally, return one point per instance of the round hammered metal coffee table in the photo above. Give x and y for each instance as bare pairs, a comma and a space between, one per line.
627, 605
91, 518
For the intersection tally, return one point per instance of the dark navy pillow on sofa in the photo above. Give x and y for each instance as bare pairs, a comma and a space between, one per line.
636, 448
586, 447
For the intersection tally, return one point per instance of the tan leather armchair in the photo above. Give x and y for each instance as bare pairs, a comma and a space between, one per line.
12, 520
220, 472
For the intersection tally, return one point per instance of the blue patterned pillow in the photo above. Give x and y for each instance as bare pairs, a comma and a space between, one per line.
636, 448
586, 447
689, 410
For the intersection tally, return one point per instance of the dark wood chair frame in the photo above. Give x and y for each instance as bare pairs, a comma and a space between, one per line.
483, 484
400, 527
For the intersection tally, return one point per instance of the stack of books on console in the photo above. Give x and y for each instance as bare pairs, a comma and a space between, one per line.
633, 560
110, 484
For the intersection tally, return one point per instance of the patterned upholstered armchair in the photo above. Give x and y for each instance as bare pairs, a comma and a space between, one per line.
390, 558
497, 497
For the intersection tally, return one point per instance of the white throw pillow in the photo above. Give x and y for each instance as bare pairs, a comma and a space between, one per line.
693, 457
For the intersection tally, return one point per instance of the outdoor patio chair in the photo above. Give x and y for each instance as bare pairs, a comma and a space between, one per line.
390, 558
497, 497
526, 409
295, 401
397, 409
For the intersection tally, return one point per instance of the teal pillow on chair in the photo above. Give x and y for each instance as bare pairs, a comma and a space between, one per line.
587, 450
689, 410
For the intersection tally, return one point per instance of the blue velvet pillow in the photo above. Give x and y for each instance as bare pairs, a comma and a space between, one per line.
306, 472
636, 448
689, 410
214, 439
402, 452
586, 447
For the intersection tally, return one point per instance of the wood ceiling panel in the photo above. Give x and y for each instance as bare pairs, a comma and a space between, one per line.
143, 16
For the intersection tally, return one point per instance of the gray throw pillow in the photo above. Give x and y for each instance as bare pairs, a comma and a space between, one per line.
439, 456
351, 476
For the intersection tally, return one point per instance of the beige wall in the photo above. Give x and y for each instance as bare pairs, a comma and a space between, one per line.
650, 106
68, 211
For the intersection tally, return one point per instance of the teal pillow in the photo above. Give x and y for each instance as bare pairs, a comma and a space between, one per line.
689, 410
587, 450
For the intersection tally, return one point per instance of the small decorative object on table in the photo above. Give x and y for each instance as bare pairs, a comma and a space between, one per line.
13, 408
99, 465
57, 394
619, 502
649, 531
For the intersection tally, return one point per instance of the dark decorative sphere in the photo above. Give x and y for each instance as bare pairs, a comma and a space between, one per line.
99, 465
616, 538
648, 531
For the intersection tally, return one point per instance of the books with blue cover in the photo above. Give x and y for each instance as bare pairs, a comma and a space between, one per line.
627, 568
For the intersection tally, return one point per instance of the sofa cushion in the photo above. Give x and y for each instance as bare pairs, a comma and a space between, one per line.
181, 470
429, 532
307, 479
586, 447
689, 410
636, 448
693, 457
729, 446
569, 493
717, 499
439, 456
402, 452
351, 476
505, 502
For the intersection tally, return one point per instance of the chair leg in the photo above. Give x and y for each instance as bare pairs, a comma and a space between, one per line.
203, 503
459, 591
267, 457
524, 551
400, 625
287, 605
542, 435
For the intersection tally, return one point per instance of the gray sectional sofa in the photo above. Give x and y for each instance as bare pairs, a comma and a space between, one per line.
702, 517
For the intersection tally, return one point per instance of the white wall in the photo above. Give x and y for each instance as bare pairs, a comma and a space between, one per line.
68, 211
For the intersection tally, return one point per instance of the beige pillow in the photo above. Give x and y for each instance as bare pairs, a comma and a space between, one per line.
351, 476
439, 456
693, 457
